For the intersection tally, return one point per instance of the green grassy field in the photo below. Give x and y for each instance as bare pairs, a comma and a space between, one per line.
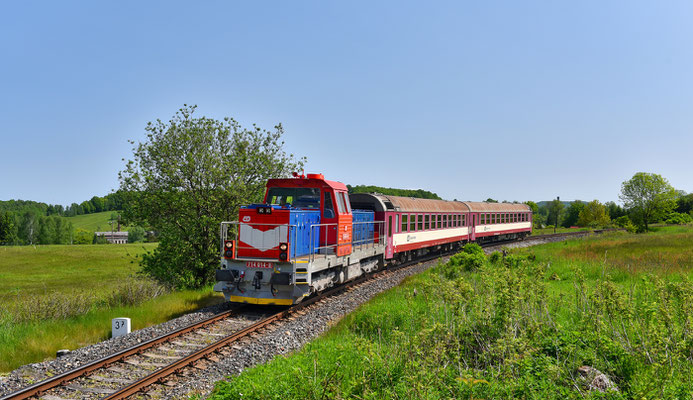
37, 270
514, 327
60, 296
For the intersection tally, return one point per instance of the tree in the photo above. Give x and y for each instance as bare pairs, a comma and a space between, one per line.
684, 203
593, 215
136, 234
614, 210
188, 176
490, 200
572, 213
648, 197
555, 212
8, 231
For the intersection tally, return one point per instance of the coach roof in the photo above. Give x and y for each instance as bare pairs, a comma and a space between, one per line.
477, 206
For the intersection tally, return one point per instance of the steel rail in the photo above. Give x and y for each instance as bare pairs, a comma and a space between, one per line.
173, 368
41, 387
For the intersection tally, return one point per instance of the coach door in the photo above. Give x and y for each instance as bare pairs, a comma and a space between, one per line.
472, 227
389, 252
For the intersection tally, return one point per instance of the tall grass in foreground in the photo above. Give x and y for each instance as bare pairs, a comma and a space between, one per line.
34, 340
511, 327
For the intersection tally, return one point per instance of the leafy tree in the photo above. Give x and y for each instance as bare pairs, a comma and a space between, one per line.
136, 234
8, 231
490, 200
684, 203
593, 215
189, 175
28, 229
572, 213
648, 197
83, 236
97, 203
555, 208
614, 210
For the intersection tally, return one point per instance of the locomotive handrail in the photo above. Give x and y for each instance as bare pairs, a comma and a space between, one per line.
223, 233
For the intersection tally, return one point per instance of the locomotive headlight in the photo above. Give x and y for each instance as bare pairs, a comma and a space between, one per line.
283, 251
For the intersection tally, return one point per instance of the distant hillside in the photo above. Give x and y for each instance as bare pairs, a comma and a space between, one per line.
418, 193
96, 222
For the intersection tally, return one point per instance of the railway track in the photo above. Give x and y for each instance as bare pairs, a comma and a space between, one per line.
135, 369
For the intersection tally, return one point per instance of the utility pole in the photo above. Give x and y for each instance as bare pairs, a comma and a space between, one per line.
558, 200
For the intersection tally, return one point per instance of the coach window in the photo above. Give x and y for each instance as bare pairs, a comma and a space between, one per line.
483, 219
420, 222
396, 222
464, 219
439, 221
457, 220
427, 224
405, 223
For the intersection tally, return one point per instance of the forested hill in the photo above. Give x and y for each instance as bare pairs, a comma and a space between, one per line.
418, 193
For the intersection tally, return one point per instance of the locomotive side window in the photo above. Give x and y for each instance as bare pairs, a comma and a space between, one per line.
340, 204
405, 223
328, 208
346, 202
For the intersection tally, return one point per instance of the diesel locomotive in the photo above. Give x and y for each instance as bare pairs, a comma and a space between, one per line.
310, 234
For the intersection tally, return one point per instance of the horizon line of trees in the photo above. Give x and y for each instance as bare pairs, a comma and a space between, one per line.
111, 202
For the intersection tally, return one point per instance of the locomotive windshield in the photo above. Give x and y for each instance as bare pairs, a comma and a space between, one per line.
295, 197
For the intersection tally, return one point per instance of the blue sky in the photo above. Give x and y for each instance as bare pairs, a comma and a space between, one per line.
510, 100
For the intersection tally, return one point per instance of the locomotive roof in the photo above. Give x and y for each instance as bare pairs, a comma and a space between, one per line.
412, 204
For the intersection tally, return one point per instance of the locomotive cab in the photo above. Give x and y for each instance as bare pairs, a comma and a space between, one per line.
290, 245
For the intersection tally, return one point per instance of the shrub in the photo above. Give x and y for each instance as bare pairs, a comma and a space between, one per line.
678, 219
136, 234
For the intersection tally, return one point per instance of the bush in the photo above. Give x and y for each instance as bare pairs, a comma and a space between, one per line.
678, 219
136, 234
83, 236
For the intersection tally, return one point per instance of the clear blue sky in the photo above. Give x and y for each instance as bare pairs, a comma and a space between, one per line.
513, 100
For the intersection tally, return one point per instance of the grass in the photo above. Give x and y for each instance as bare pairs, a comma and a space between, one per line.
64, 296
96, 222
40, 270
549, 231
513, 327
29, 342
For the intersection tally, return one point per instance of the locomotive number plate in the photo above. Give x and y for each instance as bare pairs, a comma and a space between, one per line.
259, 264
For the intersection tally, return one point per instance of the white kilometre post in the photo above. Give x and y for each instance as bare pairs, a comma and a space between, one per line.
120, 327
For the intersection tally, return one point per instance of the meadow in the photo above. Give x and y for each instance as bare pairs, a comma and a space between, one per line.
64, 296
521, 326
